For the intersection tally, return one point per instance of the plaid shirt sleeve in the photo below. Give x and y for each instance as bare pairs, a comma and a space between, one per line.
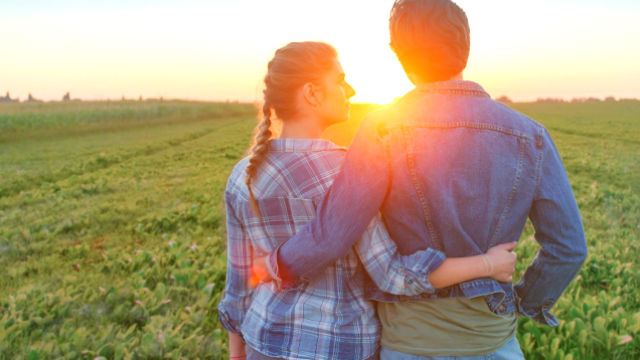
238, 291
392, 272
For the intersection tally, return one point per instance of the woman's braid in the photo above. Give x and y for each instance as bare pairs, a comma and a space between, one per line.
259, 151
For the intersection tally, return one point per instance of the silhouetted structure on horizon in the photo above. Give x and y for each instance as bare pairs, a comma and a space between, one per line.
67, 96
7, 98
32, 99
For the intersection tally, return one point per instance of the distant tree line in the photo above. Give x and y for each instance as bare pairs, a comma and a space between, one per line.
549, 100
503, 99
65, 97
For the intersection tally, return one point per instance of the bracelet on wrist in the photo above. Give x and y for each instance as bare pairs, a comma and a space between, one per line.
488, 264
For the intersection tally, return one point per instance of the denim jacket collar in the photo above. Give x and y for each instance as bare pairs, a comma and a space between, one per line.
452, 87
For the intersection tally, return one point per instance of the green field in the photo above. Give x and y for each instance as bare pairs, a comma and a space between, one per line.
112, 228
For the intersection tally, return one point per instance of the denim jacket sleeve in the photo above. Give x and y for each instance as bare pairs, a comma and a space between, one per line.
343, 214
559, 231
392, 272
238, 291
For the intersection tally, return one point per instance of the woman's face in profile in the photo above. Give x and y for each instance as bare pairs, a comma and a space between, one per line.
335, 104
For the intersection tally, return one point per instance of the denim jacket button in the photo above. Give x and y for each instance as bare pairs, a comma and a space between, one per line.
502, 308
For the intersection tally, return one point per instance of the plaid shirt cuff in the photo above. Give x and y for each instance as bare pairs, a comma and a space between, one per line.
227, 323
430, 260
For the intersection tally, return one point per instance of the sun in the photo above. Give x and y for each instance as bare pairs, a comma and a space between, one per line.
375, 74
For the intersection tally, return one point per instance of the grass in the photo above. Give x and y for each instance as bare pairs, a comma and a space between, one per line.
599, 144
112, 228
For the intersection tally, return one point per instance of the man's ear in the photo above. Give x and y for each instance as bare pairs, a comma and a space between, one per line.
312, 94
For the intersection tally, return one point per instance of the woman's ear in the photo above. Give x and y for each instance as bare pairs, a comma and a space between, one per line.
312, 94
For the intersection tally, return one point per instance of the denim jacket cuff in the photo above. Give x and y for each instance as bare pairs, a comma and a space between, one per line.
273, 268
430, 260
542, 314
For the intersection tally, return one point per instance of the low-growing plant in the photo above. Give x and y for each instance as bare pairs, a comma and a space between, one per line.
112, 240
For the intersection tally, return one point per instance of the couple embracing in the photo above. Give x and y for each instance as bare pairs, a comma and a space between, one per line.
400, 247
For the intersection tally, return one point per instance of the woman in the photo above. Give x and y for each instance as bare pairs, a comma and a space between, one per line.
270, 195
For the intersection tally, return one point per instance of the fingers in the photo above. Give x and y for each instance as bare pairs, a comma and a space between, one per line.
510, 245
506, 246
505, 279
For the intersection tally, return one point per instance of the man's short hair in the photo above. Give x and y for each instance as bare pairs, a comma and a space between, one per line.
430, 37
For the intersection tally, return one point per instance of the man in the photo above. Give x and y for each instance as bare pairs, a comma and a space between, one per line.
453, 170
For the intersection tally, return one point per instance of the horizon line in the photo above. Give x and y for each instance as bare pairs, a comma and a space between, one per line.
502, 98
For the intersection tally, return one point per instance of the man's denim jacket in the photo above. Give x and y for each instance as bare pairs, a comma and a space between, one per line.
453, 170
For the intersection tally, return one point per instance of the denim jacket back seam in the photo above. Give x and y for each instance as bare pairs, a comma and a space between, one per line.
437, 242
507, 207
536, 191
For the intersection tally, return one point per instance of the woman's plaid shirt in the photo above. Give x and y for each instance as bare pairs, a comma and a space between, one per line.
327, 317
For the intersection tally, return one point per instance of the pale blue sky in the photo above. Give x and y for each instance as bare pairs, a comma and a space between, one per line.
219, 49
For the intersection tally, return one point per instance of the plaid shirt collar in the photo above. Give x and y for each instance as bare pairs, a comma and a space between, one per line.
301, 145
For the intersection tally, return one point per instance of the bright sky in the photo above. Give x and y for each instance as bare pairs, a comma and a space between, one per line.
218, 50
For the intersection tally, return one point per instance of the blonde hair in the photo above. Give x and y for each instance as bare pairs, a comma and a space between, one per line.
292, 66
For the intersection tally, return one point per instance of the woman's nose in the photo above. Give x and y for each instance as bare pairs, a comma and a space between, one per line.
350, 91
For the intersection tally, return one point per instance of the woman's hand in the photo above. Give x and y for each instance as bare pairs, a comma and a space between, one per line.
500, 261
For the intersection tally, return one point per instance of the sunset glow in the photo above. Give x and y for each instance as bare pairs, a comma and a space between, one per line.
218, 50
